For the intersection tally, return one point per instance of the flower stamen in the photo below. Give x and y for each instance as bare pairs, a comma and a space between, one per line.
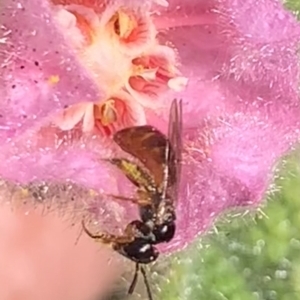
124, 24
132, 30
106, 112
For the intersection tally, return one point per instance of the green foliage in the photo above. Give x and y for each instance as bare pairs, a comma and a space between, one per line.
293, 5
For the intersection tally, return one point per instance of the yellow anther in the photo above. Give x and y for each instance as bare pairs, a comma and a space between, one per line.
106, 112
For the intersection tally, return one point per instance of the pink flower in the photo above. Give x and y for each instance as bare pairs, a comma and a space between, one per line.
241, 105
105, 117
155, 73
120, 49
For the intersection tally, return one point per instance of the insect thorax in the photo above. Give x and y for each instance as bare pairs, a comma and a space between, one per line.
160, 212
163, 222
165, 212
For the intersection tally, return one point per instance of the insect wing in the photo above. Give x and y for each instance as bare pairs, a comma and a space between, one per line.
173, 152
161, 155
148, 145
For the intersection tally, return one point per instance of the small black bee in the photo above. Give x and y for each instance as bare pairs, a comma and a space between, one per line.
157, 190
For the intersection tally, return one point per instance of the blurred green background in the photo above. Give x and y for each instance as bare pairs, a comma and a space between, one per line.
253, 257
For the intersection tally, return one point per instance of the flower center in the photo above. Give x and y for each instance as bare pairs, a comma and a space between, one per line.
120, 49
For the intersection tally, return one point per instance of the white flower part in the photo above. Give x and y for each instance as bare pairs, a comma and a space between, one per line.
69, 117
88, 13
163, 3
88, 118
67, 21
178, 84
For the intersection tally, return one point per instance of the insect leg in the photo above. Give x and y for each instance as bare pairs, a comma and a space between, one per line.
134, 279
133, 200
107, 238
142, 201
146, 283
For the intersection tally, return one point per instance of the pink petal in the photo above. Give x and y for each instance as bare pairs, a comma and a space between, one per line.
88, 120
146, 92
33, 52
135, 113
241, 106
